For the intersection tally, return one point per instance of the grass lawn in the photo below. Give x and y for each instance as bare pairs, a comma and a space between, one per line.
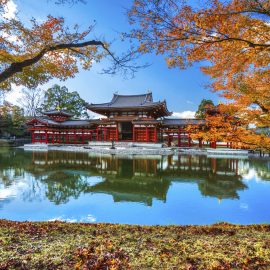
58, 245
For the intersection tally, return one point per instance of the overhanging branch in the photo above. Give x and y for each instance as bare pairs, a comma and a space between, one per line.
19, 66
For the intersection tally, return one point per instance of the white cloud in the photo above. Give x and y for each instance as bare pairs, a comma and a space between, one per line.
14, 95
61, 218
184, 114
244, 206
86, 219
94, 115
11, 191
251, 175
10, 10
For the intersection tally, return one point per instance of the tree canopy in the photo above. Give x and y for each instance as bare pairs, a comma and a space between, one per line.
58, 97
34, 52
203, 107
230, 38
12, 120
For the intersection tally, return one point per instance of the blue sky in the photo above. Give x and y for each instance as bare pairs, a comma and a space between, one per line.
183, 89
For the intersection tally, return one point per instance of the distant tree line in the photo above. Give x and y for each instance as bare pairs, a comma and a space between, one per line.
33, 102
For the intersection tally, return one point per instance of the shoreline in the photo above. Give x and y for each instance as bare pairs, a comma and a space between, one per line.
128, 150
60, 245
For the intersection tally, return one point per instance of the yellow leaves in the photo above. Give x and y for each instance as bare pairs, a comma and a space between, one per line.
142, 48
42, 50
235, 44
170, 62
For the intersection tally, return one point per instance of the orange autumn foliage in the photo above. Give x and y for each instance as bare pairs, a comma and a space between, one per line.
230, 37
32, 53
222, 125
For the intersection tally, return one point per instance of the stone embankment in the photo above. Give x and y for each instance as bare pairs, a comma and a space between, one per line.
126, 149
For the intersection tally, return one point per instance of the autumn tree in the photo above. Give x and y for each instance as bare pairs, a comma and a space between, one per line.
59, 98
230, 37
33, 53
222, 125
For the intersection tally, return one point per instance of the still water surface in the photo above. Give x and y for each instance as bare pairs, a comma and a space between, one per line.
184, 189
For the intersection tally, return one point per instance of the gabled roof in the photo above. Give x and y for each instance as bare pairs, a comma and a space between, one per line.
126, 101
129, 102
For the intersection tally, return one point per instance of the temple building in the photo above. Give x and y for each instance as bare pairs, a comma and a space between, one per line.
130, 118
58, 127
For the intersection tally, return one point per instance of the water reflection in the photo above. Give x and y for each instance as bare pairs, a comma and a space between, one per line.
65, 175
178, 189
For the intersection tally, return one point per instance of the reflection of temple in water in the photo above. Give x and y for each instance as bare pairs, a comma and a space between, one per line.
140, 178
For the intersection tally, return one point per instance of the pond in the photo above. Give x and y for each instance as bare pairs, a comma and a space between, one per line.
184, 189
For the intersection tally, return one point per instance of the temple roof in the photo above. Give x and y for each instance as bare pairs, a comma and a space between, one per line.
68, 123
57, 112
135, 102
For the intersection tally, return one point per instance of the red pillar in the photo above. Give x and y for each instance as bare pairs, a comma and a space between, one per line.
32, 136
75, 137
82, 136
155, 134
147, 134
97, 137
53, 137
67, 137
117, 133
105, 134
200, 143
133, 134
46, 136
179, 139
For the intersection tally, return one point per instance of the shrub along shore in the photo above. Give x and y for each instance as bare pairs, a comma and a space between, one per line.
59, 245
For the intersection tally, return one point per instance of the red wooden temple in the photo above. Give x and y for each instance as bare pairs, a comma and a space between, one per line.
130, 118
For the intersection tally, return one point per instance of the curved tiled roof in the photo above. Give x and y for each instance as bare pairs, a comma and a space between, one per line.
68, 123
137, 102
119, 101
58, 112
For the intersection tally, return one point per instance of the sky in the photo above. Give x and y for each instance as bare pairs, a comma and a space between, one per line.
182, 89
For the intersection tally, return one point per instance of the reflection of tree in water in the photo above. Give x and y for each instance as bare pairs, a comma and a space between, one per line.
14, 178
133, 190
132, 180
223, 188
12, 165
60, 186
215, 177
65, 175
138, 179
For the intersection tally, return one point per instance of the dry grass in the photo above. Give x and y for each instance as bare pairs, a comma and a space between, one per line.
58, 245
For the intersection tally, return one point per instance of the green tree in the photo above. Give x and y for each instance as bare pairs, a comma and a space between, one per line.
204, 105
12, 120
58, 97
